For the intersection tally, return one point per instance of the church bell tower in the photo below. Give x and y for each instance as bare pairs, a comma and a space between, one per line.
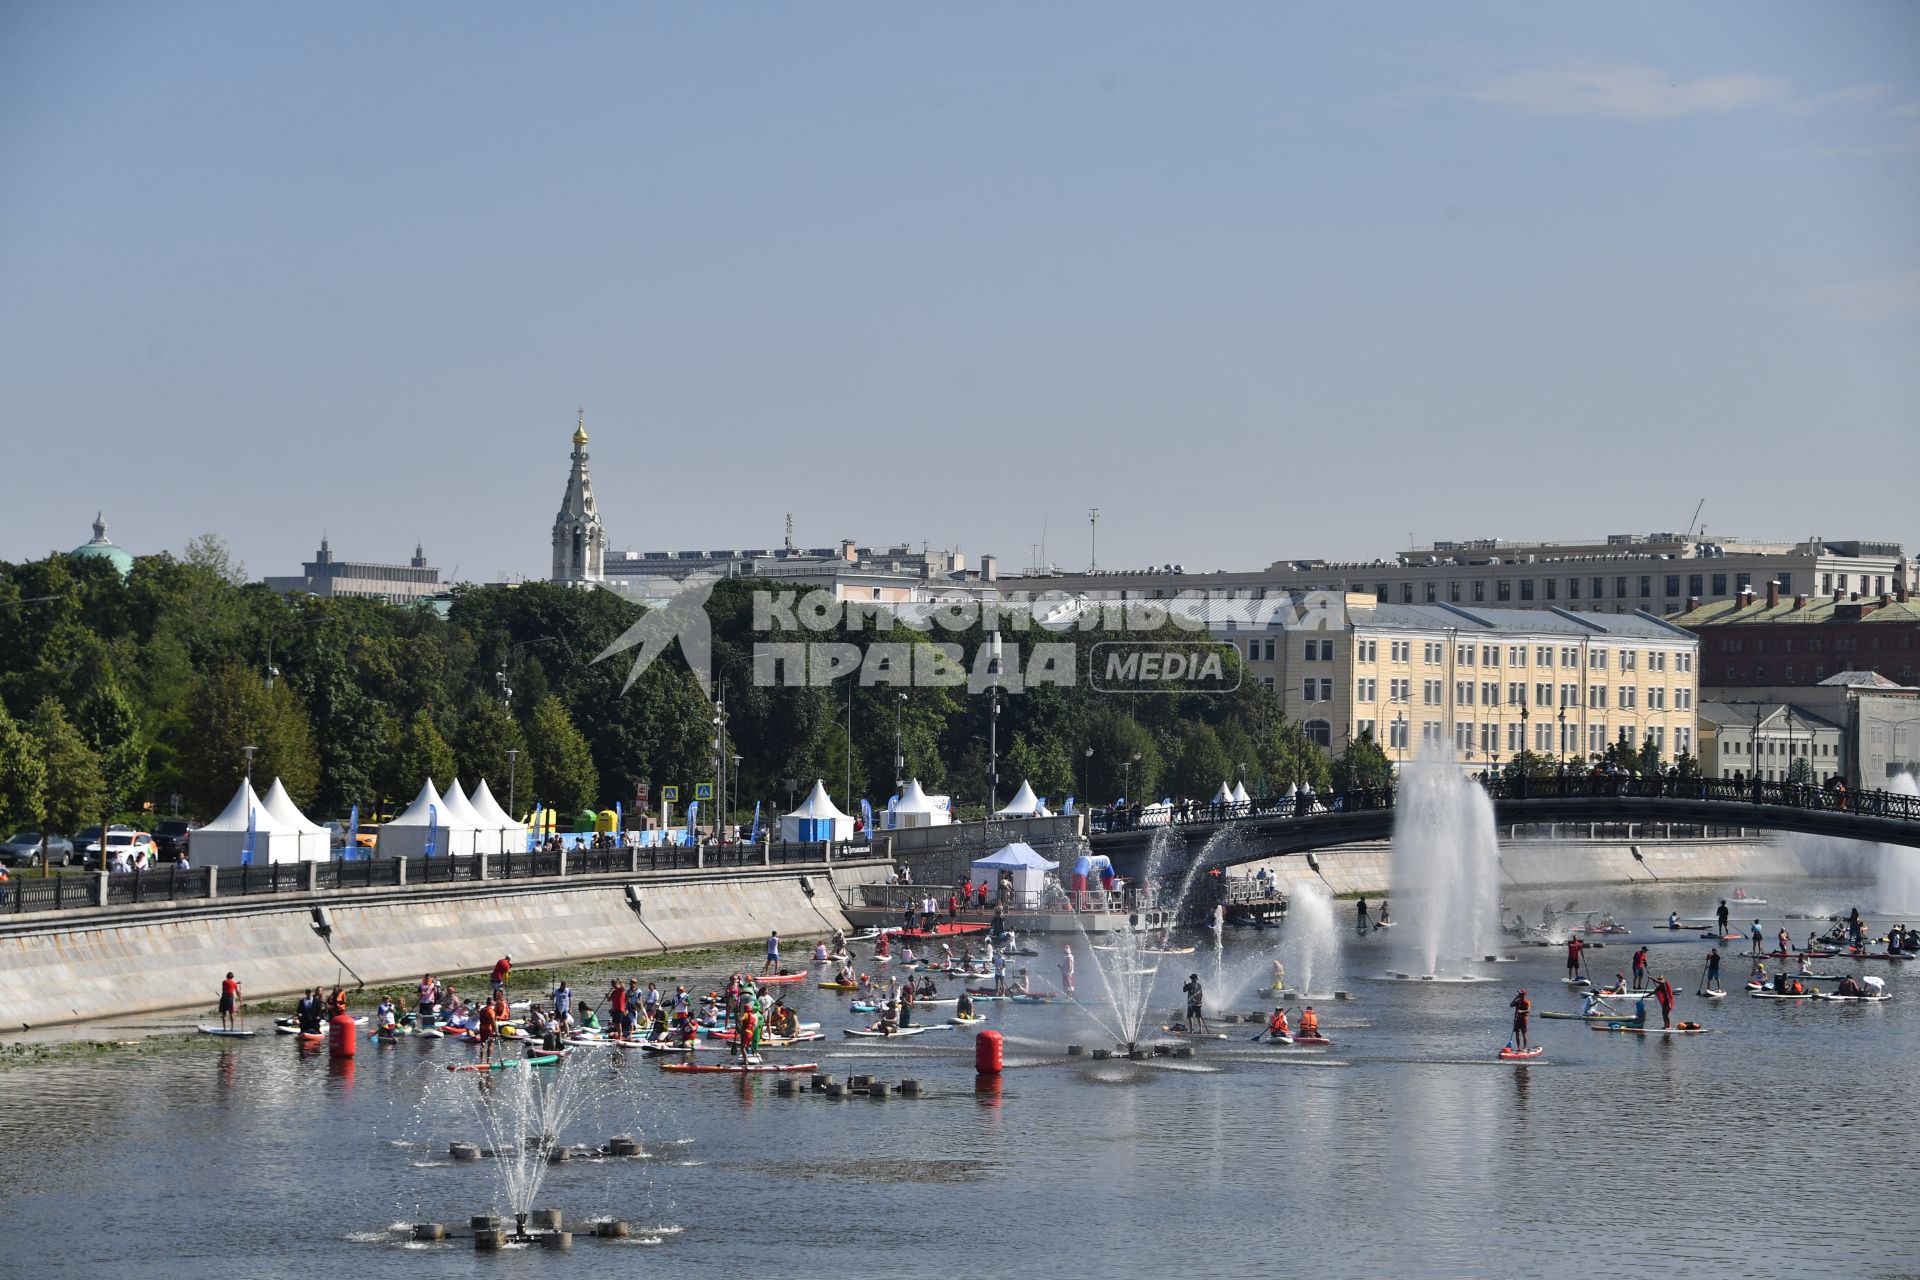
579, 541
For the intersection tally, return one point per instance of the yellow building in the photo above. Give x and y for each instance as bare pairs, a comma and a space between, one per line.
1489, 682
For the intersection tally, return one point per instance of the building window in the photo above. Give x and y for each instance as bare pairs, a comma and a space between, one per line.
1399, 690
1463, 736
1503, 590
1619, 588
1253, 651
1516, 738
1553, 588
1543, 738
1367, 651
1682, 738
1319, 732
1543, 655
1516, 693
1430, 733
1597, 696
1489, 693
1673, 586
1569, 695
1627, 696
1646, 586
1627, 659
1516, 655
1786, 584
1430, 593
1431, 693
1453, 592
1326, 650
1267, 681
1436, 653
1570, 657
1719, 584
1406, 593
1366, 689
1479, 591
1380, 592
1311, 651
1400, 650
1573, 588
1694, 581
1463, 656
1543, 695
1463, 693
1526, 588
1398, 731
1326, 689
1597, 659
1364, 728
1306, 688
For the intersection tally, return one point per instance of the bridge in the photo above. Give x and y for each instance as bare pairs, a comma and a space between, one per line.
1220, 836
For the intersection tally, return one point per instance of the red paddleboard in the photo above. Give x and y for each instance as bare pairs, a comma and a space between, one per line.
767, 980
739, 1070
1300, 1039
939, 931
1521, 1053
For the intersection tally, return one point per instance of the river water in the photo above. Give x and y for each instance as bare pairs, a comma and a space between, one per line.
1779, 1144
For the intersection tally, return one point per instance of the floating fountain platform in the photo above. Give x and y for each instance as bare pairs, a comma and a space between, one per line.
1437, 979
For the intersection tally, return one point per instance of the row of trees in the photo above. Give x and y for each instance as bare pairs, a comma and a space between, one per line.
119, 697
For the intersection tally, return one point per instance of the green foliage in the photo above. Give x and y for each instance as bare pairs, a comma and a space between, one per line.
563, 773
23, 777
230, 708
76, 794
418, 755
1531, 764
1686, 764
1362, 764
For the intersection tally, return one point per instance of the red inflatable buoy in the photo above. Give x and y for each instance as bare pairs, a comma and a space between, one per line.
341, 1035
987, 1053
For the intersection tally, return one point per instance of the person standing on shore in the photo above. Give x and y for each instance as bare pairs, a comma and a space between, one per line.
229, 1001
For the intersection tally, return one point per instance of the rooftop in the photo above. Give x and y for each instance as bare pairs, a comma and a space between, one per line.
1762, 715
1441, 617
1723, 613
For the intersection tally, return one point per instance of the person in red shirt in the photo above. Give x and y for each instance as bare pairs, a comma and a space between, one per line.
1640, 969
229, 1001
1663, 992
617, 1009
1575, 946
501, 968
489, 1024
953, 907
1521, 1006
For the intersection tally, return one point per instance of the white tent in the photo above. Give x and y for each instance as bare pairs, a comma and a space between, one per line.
495, 819
817, 819
223, 842
475, 838
1025, 804
1240, 795
311, 838
1224, 795
425, 820
1028, 869
918, 809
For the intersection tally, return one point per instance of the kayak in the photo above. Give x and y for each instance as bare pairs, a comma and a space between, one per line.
839, 986
505, 1064
1521, 1053
1630, 1029
895, 1034
739, 1068
231, 1033
1167, 951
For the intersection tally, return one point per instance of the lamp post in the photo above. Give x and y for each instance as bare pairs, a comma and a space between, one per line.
736, 782
899, 757
513, 765
1086, 777
248, 753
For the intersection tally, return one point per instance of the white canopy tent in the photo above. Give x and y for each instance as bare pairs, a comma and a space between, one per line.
918, 809
1224, 795
1028, 869
475, 837
223, 842
425, 820
816, 820
1240, 795
1025, 804
508, 835
310, 837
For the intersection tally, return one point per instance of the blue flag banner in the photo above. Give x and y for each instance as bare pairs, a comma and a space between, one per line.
866, 817
693, 816
753, 836
353, 835
246, 850
433, 829
893, 803
1068, 809
619, 819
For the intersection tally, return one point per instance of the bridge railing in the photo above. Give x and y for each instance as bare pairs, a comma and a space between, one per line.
1573, 786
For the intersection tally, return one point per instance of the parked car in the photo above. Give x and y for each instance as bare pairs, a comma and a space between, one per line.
122, 840
171, 838
23, 850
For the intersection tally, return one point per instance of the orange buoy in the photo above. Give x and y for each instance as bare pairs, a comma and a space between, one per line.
341, 1035
987, 1053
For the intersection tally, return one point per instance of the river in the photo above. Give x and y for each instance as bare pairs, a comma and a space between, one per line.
1779, 1144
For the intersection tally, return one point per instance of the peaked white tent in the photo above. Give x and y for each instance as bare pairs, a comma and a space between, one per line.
426, 819
817, 819
475, 838
1025, 804
1224, 795
1028, 869
918, 809
495, 819
1240, 795
310, 837
223, 842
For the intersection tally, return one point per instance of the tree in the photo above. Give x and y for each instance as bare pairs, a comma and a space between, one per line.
1199, 764
419, 755
209, 553
23, 777
231, 708
1362, 765
1293, 759
563, 772
481, 744
76, 794
1531, 764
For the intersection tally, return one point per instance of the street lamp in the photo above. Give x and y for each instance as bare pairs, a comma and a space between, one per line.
513, 764
736, 783
1126, 776
899, 757
248, 753
1086, 778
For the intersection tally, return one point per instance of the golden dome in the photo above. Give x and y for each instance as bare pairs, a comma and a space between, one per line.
580, 431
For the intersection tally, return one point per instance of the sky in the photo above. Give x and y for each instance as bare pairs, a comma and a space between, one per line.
1258, 281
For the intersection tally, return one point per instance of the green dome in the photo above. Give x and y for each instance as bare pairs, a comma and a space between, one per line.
101, 548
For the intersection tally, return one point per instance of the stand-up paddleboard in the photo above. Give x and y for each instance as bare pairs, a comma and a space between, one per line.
1782, 995
895, 1034
839, 986
206, 1030
1194, 1035
1581, 1017
737, 1068
1706, 993
1722, 937
771, 979
1577, 982
1627, 1028
505, 1064
1167, 951
1300, 1039
967, 1022
1512, 1053
1822, 995
307, 1039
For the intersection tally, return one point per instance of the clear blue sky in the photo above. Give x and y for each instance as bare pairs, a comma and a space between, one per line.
1257, 280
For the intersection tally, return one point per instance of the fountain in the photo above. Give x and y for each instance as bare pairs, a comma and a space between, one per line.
1446, 864
1898, 873
1314, 947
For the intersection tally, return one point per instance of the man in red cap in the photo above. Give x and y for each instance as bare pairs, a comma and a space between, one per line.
1575, 946
1520, 1006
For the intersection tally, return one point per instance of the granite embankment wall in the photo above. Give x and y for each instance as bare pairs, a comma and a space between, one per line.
1368, 868
173, 957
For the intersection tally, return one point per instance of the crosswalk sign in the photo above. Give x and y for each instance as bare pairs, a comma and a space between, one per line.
670, 795
703, 791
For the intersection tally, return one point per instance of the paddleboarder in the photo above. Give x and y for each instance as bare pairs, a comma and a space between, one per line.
1196, 998
1663, 993
1277, 1027
1721, 916
1309, 1022
1066, 969
773, 953
501, 969
1640, 969
1759, 940
1360, 910
1712, 981
229, 1001
1575, 946
1521, 1006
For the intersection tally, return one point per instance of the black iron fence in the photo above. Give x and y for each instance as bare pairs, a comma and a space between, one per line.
1306, 804
26, 893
